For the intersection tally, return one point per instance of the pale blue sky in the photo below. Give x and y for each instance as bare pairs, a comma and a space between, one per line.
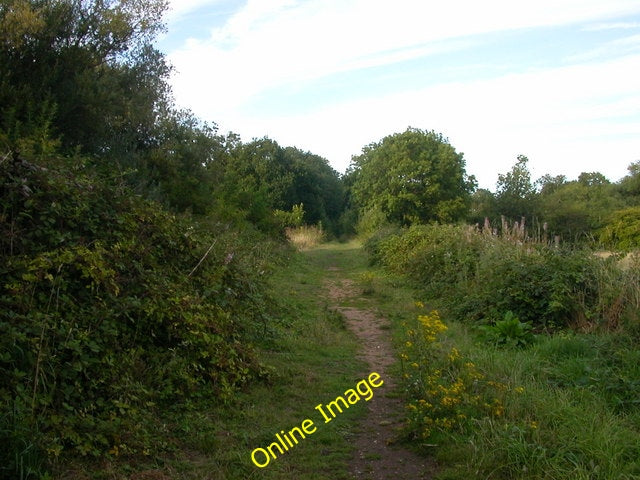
558, 81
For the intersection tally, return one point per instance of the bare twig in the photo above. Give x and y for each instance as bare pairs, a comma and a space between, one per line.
202, 259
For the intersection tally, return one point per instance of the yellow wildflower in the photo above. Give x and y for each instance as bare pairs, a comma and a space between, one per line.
454, 355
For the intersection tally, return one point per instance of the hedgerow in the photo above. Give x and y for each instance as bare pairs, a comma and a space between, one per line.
110, 308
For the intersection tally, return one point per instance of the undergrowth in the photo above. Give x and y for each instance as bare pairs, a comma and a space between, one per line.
530, 368
101, 328
478, 277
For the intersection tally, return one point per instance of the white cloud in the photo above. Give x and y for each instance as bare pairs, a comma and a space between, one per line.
278, 42
612, 26
561, 118
180, 8
618, 47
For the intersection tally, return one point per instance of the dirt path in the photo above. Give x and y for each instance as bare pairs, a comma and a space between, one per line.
377, 456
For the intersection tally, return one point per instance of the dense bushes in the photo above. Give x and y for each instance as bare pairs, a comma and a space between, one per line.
623, 230
480, 277
109, 307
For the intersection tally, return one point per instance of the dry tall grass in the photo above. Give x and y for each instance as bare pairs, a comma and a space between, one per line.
305, 236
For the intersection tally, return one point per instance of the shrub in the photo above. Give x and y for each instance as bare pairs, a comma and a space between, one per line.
436, 256
478, 277
111, 307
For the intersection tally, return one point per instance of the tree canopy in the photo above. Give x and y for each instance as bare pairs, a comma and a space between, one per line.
515, 193
412, 177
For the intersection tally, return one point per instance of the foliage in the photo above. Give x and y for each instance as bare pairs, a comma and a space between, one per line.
447, 392
133, 237
85, 69
434, 256
629, 186
261, 176
622, 231
483, 206
479, 277
577, 210
571, 390
412, 177
290, 219
100, 326
514, 191
316, 185
509, 331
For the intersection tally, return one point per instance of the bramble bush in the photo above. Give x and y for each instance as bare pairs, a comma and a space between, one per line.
110, 308
479, 277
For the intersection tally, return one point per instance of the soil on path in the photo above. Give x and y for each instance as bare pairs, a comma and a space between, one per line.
377, 456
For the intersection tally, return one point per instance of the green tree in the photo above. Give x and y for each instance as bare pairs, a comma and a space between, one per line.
82, 71
317, 185
412, 177
515, 194
623, 229
576, 210
548, 184
483, 205
593, 179
629, 186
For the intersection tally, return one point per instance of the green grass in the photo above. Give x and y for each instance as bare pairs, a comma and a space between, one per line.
311, 357
578, 416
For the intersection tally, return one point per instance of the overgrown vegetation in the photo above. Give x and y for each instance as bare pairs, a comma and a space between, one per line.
479, 277
531, 370
136, 245
102, 327
565, 407
135, 241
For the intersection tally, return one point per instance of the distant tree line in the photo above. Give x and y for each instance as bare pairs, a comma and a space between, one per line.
83, 78
417, 177
589, 209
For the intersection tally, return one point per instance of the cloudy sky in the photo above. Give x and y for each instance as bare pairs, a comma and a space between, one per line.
556, 80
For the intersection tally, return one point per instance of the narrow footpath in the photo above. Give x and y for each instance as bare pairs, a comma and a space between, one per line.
377, 455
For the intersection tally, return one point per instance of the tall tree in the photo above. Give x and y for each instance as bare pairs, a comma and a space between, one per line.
412, 177
317, 186
515, 194
80, 71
